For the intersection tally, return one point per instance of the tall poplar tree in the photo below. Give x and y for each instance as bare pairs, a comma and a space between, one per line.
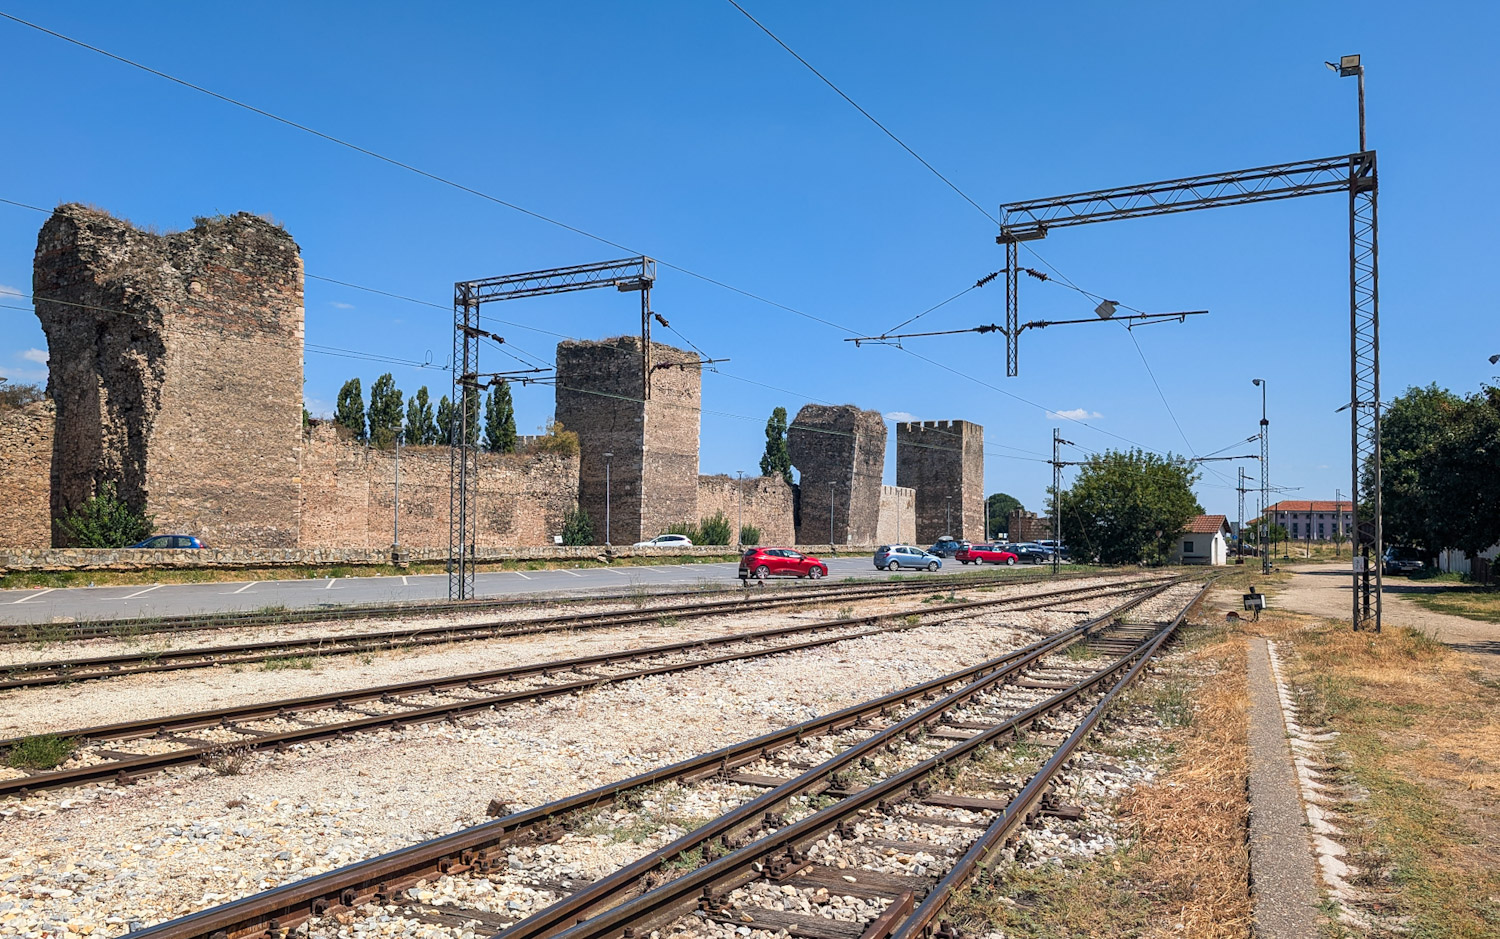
420, 430
777, 460
385, 412
350, 414
500, 420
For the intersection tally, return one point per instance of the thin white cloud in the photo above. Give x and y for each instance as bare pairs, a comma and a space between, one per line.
6, 291
39, 356
318, 408
1076, 414
900, 417
340, 306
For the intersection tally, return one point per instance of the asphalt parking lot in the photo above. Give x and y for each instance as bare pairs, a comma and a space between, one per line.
63, 604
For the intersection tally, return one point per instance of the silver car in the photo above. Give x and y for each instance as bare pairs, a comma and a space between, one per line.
895, 557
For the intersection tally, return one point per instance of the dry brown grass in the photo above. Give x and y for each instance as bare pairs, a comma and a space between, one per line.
1419, 749
1185, 870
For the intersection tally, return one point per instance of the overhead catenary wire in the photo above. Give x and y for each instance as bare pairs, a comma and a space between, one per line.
411, 168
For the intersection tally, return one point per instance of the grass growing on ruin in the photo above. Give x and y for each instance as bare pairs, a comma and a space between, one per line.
45, 751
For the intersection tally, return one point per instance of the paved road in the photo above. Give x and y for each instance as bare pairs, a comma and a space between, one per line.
140, 600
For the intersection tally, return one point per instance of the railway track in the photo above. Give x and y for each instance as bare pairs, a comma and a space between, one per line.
140, 626
122, 752
63, 671
829, 780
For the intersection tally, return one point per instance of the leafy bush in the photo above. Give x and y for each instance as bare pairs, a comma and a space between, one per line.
683, 528
18, 396
105, 521
749, 535
578, 528
715, 529
556, 439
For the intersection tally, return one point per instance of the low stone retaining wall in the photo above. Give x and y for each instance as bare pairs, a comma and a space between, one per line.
141, 559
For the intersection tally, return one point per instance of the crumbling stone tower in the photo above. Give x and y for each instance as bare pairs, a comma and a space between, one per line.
944, 462
842, 447
654, 441
176, 368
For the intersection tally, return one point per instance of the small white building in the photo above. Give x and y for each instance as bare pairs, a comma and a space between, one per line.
1204, 541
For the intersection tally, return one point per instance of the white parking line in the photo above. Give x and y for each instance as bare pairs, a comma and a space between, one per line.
403, 581
247, 586
330, 583
132, 596
520, 575
33, 596
566, 571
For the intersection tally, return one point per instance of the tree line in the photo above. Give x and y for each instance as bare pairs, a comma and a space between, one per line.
1440, 457
421, 424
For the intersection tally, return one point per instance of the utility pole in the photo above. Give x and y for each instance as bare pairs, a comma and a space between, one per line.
1239, 540
1338, 519
396, 516
1265, 476
1057, 465
607, 458
948, 517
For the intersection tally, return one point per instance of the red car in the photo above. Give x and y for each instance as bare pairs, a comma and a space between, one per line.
770, 562
985, 554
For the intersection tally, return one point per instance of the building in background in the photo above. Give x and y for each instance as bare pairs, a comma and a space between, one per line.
1314, 519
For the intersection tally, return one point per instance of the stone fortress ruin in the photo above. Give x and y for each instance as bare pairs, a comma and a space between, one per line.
176, 376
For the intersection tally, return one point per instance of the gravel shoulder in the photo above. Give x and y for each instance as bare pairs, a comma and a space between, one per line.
1323, 590
106, 860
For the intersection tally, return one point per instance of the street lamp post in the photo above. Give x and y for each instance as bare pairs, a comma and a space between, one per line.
1265, 477
948, 518
739, 509
830, 512
1338, 519
396, 491
607, 458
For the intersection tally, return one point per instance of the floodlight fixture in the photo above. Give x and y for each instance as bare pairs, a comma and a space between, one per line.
1494, 360
1106, 308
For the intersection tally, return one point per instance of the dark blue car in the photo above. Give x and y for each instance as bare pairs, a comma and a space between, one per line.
171, 541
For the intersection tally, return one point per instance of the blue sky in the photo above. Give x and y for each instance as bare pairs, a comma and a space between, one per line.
681, 131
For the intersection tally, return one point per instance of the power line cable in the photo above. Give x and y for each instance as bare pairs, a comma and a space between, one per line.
868, 116
443, 180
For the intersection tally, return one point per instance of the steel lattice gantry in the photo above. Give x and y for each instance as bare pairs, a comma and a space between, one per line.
626, 274
1353, 173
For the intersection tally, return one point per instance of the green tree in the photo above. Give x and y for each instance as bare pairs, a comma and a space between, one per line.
715, 530
777, 460
1441, 469
1129, 506
104, 521
578, 528
749, 535
385, 412
997, 509
420, 429
500, 420
350, 413
19, 395
445, 415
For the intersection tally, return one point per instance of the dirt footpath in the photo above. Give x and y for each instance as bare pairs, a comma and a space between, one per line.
1323, 590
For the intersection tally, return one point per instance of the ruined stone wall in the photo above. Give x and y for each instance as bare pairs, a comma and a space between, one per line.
348, 495
1028, 526
842, 447
762, 501
944, 462
898, 516
176, 369
26, 475
653, 470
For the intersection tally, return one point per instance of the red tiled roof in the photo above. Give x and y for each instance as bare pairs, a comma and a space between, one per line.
1206, 524
1313, 505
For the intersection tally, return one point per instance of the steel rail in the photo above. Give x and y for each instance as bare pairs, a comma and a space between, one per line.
125, 769
668, 902
288, 906
106, 629
59, 671
1024, 805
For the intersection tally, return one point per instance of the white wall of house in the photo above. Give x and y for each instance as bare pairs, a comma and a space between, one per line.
1201, 549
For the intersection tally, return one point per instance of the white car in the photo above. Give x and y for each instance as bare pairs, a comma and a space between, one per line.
666, 541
